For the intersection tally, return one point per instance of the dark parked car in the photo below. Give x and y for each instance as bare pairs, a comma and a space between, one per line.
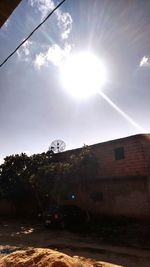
63, 216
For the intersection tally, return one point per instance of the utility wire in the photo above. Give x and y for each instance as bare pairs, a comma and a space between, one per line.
32, 32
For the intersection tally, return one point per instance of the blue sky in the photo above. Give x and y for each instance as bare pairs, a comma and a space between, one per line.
34, 107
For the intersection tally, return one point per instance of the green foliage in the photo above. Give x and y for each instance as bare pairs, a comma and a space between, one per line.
83, 166
43, 175
12, 181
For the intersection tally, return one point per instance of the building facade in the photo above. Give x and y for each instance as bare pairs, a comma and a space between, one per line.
122, 187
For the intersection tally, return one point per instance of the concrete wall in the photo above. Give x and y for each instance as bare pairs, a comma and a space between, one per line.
128, 196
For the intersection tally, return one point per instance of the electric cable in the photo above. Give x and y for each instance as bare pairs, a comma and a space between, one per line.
32, 32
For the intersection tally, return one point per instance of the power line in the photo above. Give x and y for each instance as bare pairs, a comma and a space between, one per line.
32, 32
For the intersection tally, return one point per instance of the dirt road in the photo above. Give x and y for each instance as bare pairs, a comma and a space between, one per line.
22, 234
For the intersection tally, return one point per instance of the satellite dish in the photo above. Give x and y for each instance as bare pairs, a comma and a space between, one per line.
57, 146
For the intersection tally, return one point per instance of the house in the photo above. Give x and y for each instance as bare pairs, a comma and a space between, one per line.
122, 187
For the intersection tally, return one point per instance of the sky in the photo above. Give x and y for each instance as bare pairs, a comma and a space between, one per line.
34, 107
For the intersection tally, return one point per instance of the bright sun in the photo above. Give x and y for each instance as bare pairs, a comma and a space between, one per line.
83, 75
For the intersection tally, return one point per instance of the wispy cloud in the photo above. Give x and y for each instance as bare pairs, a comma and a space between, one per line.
55, 54
64, 19
40, 60
24, 52
145, 61
42, 53
64, 23
44, 6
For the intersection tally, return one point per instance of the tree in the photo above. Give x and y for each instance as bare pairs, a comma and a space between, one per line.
83, 166
15, 175
11, 177
78, 169
44, 177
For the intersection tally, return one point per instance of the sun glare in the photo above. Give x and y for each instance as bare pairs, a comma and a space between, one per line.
83, 75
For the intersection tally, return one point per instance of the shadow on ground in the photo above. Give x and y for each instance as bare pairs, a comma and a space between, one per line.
122, 242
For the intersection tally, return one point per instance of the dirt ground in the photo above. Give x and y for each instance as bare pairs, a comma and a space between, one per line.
122, 245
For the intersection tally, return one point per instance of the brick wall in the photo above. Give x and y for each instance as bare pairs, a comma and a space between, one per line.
122, 186
133, 164
136, 156
145, 142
